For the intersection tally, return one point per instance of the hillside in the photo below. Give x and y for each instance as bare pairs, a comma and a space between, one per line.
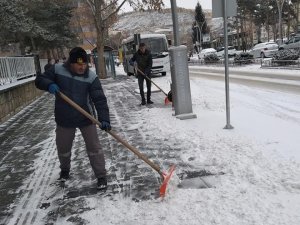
151, 21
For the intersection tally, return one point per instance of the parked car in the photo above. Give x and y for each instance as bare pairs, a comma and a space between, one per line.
293, 43
231, 52
265, 49
207, 51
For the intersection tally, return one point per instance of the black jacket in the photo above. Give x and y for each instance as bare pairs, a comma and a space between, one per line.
144, 61
85, 90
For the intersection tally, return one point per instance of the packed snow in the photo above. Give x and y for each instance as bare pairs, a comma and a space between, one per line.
256, 164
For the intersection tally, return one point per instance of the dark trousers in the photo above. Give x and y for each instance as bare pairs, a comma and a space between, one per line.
64, 141
141, 79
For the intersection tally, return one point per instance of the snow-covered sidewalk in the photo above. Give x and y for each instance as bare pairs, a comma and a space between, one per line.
255, 168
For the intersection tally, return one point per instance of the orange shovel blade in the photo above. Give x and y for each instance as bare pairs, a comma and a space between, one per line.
163, 187
167, 101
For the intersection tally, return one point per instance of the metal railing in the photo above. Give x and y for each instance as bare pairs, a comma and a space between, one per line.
221, 62
13, 69
283, 64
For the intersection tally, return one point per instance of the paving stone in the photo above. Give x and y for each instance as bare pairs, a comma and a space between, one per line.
30, 136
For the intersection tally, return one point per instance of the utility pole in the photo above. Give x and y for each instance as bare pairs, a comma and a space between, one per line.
181, 92
175, 22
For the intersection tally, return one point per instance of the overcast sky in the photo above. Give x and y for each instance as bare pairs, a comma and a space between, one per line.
188, 4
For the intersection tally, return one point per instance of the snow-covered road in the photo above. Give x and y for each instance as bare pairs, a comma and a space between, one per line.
282, 80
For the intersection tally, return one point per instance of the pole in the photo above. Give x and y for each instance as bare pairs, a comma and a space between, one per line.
228, 126
175, 22
198, 39
181, 92
200, 34
280, 5
298, 16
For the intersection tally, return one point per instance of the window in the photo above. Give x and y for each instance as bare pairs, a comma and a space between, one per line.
156, 45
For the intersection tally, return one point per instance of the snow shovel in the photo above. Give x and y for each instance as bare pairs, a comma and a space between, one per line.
164, 176
167, 100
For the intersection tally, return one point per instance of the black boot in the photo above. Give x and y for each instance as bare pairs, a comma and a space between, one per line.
64, 175
102, 183
149, 102
143, 102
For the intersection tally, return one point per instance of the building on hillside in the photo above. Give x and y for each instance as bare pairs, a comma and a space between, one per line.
82, 24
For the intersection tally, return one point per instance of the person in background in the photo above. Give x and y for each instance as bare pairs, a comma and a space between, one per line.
143, 60
56, 61
83, 86
64, 59
48, 65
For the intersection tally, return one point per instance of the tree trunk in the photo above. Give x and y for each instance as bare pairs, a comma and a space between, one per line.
298, 15
274, 32
100, 27
32, 44
258, 33
251, 32
48, 53
62, 53
53, 54
100, 50
238, 34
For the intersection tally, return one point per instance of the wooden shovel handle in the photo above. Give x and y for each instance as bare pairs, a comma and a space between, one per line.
151, 81
117, 137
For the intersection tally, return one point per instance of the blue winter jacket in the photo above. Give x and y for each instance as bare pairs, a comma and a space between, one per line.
85, 90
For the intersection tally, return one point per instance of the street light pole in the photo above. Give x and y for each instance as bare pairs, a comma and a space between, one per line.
228, 125
180, 87
175, 22
200, 33
197, 39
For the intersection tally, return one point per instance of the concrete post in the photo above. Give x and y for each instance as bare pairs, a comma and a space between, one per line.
181, 93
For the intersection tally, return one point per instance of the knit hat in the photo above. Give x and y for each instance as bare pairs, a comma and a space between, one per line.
78, 55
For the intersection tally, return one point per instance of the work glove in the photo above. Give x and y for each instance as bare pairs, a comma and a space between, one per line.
105, 126
53, 88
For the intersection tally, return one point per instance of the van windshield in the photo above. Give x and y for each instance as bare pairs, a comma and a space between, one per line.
156, 45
